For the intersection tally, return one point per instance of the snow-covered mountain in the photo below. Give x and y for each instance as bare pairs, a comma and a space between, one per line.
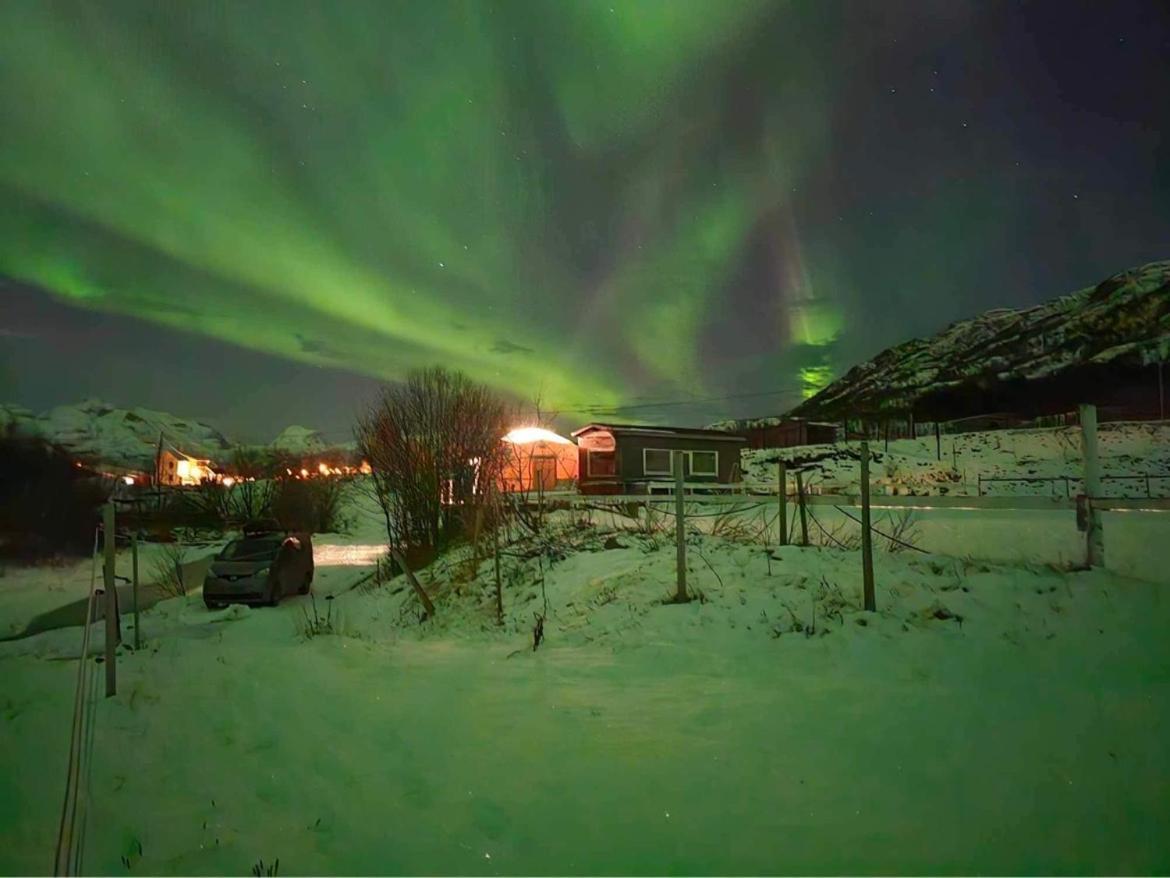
300, 441
1100, 345
99, 433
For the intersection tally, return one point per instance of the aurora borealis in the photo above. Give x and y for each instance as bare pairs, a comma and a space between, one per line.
606, 203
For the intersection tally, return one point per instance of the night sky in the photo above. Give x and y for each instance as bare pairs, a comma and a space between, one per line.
253, 211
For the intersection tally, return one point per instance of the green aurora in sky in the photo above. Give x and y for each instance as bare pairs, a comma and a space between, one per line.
529, 192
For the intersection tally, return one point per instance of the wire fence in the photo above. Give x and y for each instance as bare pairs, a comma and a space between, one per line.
68, 857
1073, 485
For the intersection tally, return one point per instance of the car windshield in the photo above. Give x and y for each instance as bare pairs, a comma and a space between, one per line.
251, 549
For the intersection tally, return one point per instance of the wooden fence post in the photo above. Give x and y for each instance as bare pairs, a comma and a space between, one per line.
800, 502
1161, 394
1094, 535
680, 532
111, 599
782, 481
866, 534
937, 441
134, 574
496, 553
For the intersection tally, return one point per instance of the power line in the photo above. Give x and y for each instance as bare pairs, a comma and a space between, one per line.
597, 409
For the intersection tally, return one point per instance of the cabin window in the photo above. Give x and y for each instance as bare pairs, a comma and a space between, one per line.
602, 463
656, 462
704, 463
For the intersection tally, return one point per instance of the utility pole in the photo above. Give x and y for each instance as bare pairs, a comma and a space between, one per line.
680, 532
111, 601
866, 535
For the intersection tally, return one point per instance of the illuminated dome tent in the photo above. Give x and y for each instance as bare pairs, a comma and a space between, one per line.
536, 459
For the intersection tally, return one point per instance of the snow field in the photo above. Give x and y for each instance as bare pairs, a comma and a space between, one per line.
989, 718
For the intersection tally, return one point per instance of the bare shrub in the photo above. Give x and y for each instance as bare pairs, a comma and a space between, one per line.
168, 569
308, 505
902, 532
730, 524
840, 535
315, 624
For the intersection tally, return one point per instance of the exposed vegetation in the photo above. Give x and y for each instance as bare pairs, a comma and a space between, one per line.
48, 505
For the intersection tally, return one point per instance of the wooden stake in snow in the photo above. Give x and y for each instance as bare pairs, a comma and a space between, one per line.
866, 533
111, 599
937, 441
680, 532
800, 503
420, 592
1094, 535
782, 482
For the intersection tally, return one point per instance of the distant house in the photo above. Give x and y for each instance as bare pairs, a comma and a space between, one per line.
538, 460
176, 468
788, 432
632, 459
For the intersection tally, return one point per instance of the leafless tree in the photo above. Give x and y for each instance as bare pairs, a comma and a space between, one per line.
251, 496
433, 443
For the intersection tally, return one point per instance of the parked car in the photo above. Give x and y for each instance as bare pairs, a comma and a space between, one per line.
259, 568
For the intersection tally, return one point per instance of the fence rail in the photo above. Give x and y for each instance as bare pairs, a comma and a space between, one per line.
878, 501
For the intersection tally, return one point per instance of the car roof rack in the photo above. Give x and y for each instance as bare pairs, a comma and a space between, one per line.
260, 526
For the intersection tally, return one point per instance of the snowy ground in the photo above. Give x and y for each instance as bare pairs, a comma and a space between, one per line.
27, 592
991, 717
912, 466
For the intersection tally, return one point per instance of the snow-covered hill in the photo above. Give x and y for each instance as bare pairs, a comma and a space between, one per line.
1076, 346
100, 433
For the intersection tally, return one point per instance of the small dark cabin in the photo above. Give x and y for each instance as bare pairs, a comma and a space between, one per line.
790, 432
628, 458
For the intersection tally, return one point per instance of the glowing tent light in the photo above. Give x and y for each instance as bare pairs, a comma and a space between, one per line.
129, 480
525, 435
